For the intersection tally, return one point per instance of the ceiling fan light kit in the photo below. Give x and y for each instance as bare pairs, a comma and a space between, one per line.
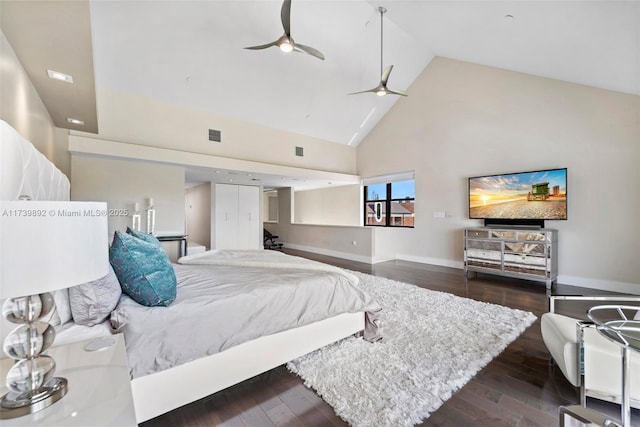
382, 89
285, 42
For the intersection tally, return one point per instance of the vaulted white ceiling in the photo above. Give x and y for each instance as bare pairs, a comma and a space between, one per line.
191, 52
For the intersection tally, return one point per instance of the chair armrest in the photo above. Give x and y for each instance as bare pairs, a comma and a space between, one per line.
594, 298
585, 415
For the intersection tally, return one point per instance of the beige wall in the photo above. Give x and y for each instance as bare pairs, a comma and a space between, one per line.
329, 206
22, 108
349, 242
139, 120
270, 206
198, 214
463, 120
121, 183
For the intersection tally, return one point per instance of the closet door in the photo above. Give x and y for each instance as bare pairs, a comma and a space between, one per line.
226, 216
249, 225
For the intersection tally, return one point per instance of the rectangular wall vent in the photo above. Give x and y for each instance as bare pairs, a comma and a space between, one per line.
215, 135
299, 151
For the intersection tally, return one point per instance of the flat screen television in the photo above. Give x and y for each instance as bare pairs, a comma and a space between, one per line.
523, 198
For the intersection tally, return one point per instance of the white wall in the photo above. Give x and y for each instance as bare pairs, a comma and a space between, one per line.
139, 120
22, 108
329, 206
463, 120
270, 206
349, 242
121, 183
198, 214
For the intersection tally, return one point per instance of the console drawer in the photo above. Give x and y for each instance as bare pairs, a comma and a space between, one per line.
533, 236
483, 234
486, 245
501, 234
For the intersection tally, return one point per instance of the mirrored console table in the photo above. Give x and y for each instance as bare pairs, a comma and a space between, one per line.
530, 254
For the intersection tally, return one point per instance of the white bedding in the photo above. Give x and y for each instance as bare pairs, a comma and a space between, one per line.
261, 258
71, 332
221, 306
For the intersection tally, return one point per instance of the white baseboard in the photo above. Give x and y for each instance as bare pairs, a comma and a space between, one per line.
585, 282
329, 252
433, 261
600, 284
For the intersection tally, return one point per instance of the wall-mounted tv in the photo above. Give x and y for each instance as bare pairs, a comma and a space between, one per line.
523, 197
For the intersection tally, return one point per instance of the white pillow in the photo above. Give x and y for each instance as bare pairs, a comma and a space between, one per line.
92, 302
62, 313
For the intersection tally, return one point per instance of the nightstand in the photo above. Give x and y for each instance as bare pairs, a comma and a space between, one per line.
99, 388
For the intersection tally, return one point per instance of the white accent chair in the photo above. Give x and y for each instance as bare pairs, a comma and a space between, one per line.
587, 359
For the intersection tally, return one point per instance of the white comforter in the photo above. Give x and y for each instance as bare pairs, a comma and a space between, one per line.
261, 258
221, 304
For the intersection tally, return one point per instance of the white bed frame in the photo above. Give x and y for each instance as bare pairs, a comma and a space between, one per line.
25, 171
164, 391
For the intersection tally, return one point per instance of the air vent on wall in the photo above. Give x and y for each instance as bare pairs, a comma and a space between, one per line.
299, 151
215, 135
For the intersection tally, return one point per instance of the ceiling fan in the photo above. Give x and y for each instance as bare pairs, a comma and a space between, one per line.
382, 88
285, 42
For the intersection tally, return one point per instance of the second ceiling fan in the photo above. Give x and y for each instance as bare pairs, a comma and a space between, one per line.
285, 42
382, 88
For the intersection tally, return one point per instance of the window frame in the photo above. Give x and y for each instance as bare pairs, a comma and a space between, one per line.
387, 204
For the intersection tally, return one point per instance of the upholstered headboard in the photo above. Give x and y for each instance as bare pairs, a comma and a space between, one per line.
24, 171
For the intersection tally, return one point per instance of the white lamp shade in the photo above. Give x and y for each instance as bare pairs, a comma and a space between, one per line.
50, 245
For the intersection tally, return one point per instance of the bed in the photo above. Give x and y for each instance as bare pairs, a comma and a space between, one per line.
161, 387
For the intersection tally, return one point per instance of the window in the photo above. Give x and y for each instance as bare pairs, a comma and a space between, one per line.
389, 204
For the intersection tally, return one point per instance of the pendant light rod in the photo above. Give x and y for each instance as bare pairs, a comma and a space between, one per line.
382, 12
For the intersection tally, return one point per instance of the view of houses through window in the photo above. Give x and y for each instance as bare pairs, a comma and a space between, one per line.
390, 204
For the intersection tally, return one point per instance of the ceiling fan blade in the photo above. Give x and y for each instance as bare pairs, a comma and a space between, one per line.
374, 90
385, 75
262, 46
285, 16
396, 92
308, 49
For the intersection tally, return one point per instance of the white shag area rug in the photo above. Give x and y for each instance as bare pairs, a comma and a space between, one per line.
433, 344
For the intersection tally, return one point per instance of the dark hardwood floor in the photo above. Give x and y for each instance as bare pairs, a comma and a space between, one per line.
518, 388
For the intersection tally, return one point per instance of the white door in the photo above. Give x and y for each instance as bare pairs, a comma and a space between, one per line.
226, 216
249, 229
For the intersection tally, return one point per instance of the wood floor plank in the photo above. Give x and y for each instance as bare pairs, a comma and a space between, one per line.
480, 414
529, 412
493, 410
518, 388
282, 416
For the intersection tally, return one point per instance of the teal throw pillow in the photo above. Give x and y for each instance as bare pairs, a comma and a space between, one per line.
143, 270
144, 236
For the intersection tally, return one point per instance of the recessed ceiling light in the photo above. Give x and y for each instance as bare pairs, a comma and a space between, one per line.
75, 121
60, 76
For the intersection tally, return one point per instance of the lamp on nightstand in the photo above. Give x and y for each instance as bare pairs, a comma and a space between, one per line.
44, 246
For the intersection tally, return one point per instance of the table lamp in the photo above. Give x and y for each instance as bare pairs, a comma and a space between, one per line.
44, 246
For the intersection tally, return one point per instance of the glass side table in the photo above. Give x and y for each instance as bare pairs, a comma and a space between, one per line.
620, 324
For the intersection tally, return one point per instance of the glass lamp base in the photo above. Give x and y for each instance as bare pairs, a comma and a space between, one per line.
14, 405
